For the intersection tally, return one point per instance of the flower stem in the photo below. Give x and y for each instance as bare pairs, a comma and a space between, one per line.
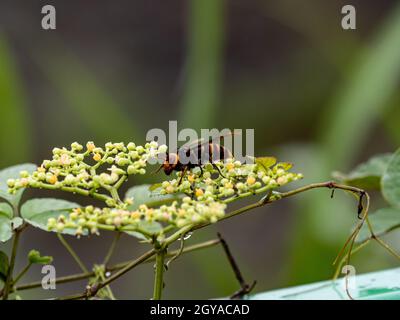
159, 275
72, 253
22, 273
112, 248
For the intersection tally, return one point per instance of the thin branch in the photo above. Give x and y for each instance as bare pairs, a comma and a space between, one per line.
121, 180
272, 197
112, 248
22, 273
355, 250
245, 288
82, 276
72, 253
180, 250
92, 290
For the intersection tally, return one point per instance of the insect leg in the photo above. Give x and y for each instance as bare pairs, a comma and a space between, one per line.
219, 171
183, 174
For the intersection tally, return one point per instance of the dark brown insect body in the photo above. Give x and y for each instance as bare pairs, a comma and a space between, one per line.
198, 155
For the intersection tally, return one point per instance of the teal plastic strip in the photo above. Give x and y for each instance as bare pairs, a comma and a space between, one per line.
382, 285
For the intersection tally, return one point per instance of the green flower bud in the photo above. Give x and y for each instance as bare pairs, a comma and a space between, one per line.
76, 146
11, 183
123, 162
110, 160
57, 151
69, 179
24, 174
131, 146
131, 170
111, 202
140, 149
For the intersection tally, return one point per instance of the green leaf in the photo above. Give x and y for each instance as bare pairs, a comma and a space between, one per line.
149, 227
391, 181
16, 222
35, 257
285, 165
6, 214
3, 266
38, 211
143, 195
13, 173
367, 175
382, 221
6, 210
265, 162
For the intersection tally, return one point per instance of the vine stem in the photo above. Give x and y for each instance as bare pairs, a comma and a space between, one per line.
9, 280
72, 253
159, 275
272, 197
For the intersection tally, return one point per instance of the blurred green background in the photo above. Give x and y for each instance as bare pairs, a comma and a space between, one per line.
316, 95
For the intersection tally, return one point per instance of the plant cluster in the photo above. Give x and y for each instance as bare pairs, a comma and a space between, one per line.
199, 198
159, 214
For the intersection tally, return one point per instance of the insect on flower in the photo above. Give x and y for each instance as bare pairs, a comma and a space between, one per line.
196, 154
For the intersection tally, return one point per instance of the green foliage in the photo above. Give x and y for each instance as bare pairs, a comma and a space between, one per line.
193, 199
367, 175
380, 172
391, 181
34, 257
371, 80
148, 229
162, 215
383, 220
265, 162
143, 194
13, 173
13, 110
6, 214
37, 212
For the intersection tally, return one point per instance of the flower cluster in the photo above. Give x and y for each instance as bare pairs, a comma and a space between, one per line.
232, 179
208, 189
91, 219
78, 168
